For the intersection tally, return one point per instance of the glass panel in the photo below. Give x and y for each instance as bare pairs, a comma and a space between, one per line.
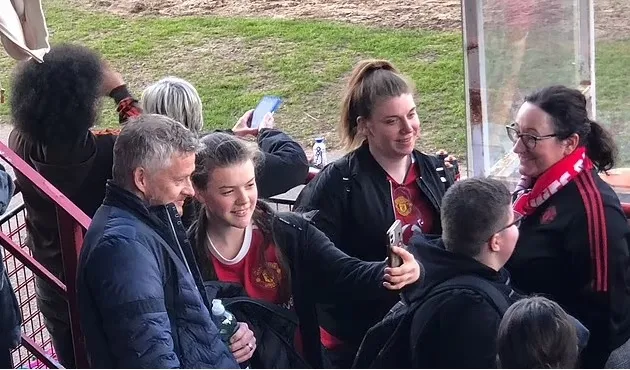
613, 80
529, 44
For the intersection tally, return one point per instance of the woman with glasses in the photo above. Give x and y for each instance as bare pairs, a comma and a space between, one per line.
573, 243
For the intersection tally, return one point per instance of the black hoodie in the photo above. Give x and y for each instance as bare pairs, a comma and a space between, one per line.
462, 331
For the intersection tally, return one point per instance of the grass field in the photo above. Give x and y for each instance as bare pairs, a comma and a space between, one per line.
235, 61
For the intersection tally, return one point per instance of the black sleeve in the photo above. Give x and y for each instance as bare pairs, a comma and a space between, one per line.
339, 276
285, 165
326, 196
604, 305
126, 105
617, 231
465, 337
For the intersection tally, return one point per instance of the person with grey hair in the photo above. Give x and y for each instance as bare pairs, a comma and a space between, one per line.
139, 289
284, 165
175, 98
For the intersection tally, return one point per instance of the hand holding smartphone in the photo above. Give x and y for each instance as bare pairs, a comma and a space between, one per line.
394, 236
268, 104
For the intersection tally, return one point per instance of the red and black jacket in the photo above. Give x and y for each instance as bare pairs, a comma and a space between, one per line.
574, 249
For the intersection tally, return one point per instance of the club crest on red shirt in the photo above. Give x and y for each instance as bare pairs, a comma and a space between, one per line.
268, 277
403, 206
549, 215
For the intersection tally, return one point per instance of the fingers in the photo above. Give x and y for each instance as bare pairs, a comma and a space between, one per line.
243, 122
240, 333
245, 353
403, 253
268, 121
407, 273
243, 343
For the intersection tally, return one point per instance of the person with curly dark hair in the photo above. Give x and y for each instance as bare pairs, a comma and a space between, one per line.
54, 106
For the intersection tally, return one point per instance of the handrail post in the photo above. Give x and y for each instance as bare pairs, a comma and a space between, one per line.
71, 238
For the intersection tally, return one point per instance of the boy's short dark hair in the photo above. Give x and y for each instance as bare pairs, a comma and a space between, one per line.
536, 333
472, 211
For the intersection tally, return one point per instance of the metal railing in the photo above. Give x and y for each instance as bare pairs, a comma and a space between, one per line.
23, 268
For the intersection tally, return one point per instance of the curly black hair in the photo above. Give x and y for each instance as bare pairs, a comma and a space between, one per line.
55, 102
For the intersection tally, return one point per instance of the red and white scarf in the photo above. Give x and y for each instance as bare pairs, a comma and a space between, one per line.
552, 180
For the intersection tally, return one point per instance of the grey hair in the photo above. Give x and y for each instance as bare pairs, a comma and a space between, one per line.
175, 98
222, 150
149, 141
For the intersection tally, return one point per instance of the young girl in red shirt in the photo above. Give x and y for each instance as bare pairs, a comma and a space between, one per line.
279, 258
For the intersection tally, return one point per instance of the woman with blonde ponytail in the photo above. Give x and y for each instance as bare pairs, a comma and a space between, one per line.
381, 179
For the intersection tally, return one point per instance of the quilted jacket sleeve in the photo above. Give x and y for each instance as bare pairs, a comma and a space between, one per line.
126, 284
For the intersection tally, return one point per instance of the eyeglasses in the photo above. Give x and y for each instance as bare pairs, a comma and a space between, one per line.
528, 140
516, 222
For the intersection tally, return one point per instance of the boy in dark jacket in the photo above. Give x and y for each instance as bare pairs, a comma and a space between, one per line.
141, 300
480, 232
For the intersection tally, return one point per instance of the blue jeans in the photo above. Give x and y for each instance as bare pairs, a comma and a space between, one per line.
619, 358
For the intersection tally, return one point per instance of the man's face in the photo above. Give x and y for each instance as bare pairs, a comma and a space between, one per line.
170, 184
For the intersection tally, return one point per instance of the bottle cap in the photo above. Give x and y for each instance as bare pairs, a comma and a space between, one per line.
217, 307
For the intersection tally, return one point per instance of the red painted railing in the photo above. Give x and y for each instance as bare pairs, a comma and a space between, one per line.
72, 225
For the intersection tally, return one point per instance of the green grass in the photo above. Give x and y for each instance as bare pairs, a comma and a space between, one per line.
613, 93
233, 62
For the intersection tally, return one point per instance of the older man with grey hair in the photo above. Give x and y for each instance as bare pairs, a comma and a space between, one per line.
139, 288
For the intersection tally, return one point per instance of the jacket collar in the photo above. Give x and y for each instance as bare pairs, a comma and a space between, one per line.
441, 265
119, 197
160, 219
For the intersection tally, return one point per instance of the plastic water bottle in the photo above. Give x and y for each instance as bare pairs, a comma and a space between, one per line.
319, 153
224, 320
226, 323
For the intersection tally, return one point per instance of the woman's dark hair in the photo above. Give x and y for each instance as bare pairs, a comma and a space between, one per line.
536, 333
222, 150
55, 102
567, 108
370, 82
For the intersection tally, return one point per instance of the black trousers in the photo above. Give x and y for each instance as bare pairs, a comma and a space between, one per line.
6, 362
54, 308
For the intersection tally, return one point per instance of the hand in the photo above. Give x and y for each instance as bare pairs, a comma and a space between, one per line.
242, 128
450, 161
397, 278
243, 343
111, 78
267, 122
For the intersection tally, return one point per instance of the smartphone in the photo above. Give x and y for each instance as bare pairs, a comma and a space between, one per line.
394, 236
268, 104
